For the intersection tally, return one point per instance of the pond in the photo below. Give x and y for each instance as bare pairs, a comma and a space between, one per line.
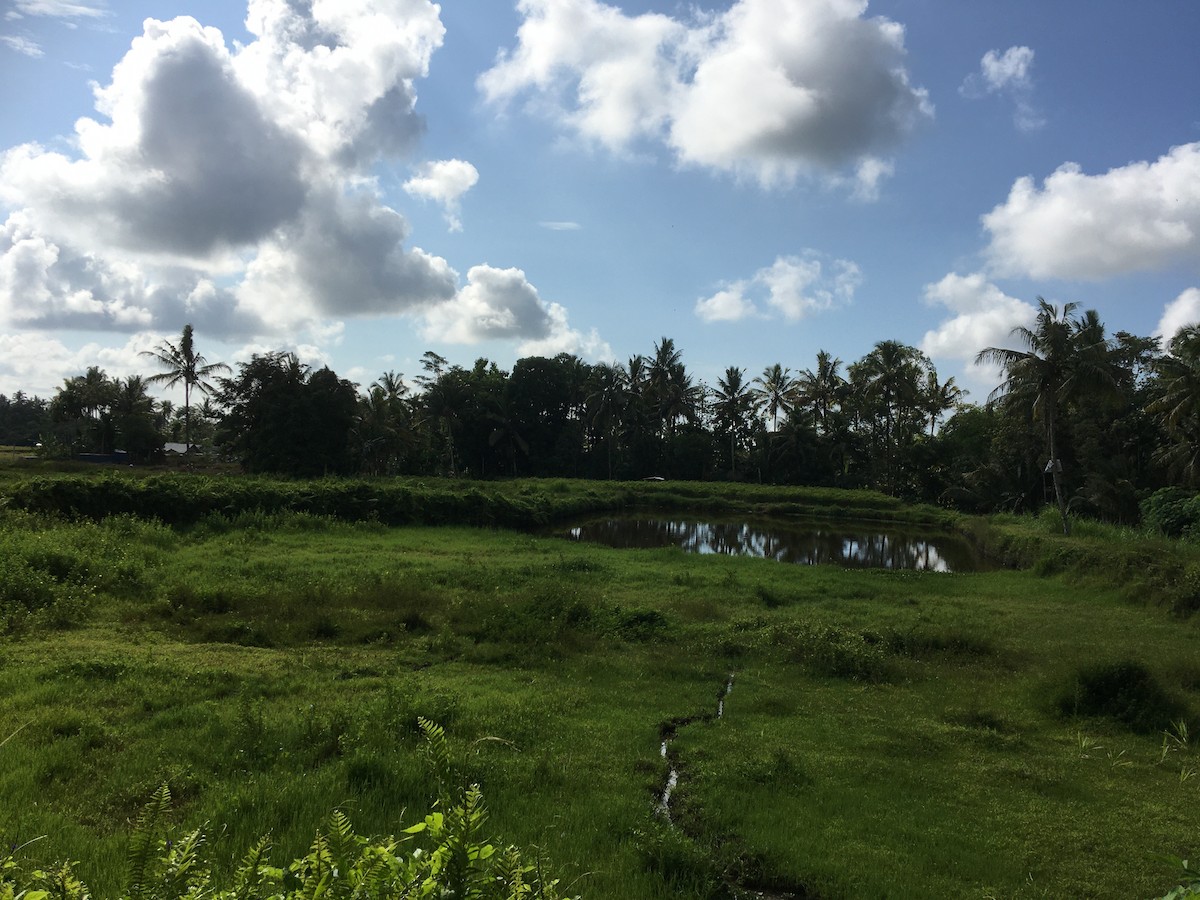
849, 544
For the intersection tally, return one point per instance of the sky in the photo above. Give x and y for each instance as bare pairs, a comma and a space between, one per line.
360, 181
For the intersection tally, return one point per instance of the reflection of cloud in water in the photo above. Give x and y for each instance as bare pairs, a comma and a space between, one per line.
845, 545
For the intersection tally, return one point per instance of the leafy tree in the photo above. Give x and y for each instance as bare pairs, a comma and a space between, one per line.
22, 418
283, 417
183, 365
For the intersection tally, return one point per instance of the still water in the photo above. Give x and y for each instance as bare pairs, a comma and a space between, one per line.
868, 546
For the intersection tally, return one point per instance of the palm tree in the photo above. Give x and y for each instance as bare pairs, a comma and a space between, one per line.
775, 392
673, 392
1177, 405
605, 403
888, 383
734, 401
823, 389
184, 366
383, 428
940, 398
1063, 357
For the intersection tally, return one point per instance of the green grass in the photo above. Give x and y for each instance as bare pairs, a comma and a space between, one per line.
888, 734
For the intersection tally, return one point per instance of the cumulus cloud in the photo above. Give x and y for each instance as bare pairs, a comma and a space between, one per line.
729, 304
793, 287
38, 364
22, 45
1183, 310
768, 89
1141, 217
1009, 73
233, 188
230, 186
982, 316
501, 304
444, 182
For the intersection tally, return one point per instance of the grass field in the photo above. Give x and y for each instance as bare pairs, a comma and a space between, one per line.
888, 734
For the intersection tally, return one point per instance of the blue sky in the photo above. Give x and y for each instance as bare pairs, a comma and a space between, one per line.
759, 180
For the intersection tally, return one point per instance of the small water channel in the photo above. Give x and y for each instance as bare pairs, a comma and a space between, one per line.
849, 544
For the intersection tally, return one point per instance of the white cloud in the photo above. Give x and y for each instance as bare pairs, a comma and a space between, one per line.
494, 304
234, 187
793, 286
1008, 73
982, 316
38, 364
444, 182
867, 177
769, 89
727, 305
229, 185
62, 9
1140, 217
22, 45
1183, 310
560, 226
1010, 69
501, 304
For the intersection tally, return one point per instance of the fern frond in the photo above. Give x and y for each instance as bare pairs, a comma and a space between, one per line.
143, 843
182, 872
253, 873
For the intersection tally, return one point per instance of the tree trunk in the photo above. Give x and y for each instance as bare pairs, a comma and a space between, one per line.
1056, 474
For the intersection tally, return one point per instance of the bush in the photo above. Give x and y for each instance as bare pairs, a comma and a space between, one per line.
1172, 511
1126, 692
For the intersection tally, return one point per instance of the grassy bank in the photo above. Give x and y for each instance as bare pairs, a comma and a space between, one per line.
182, 498
888, 734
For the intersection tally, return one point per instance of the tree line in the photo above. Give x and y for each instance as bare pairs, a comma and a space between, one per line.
1088, 421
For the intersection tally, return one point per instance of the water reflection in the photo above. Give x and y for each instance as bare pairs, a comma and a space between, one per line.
844, 544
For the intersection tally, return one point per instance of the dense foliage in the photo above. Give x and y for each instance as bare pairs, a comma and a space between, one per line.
1096, 423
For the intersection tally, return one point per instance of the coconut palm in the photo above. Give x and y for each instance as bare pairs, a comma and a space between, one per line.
888, 382
733, 403
1177, 405
940, 398
183, 365
775, 392
823, 389
605, 403
1063, 357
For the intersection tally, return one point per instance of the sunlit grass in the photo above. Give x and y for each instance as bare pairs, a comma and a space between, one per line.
888, 733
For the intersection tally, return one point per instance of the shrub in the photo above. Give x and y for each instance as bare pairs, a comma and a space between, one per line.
1126, 692
1172, 511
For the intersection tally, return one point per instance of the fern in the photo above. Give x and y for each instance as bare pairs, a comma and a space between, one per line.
436, 754
253, 876
449, 857
143, 844
181, 873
